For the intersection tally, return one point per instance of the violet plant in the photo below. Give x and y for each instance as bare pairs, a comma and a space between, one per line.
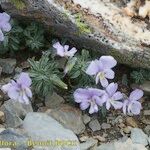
63, 51
113, 97
102, 70
5, 26
45, 75
89, 97
19, 90
132, 104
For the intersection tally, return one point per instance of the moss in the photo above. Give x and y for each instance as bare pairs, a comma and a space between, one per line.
18, 3
83, 28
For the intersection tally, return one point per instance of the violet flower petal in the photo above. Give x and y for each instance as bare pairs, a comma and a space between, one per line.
5, 27
5, 88
24, 79
125, 103
25, 99
71, 52
136, 95
104, 82
117, 96
66, 48
117, 104
99, 101
112, 88
108, 105
92, 69
95, 91
81, 95
4, 17
13, 93
59, 48
136, 108
28, 92
93, 109
84, 105
109, 74
108, 62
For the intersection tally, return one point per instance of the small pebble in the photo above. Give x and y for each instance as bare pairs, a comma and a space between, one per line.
131, 122
119, 119
139, 137
86, 119
95, 125
127, 129
121, 125
100, 138
146, 112
2, 117
105, 126
83, 138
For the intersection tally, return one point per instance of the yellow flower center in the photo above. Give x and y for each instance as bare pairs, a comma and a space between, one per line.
101, 75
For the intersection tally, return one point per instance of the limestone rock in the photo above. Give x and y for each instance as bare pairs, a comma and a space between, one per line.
139, 137
15, 112
70, 117
8, 65
95, 125
54, 100
41, 127
92, 24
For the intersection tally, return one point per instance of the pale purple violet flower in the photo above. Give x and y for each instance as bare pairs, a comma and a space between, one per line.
19, 90
113, 97
132, 105
4, 24
102, 69
89, 97
64, 51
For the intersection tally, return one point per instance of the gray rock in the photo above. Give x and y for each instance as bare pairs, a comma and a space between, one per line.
8, 65
41, 127
40, 148
15, 112
139, 137
119, 119
18, 70
118, 145
146, 87
147, 129
108, 146
90, 144
95, 125
18, 141
0, 70
86, 118
149, 140
118, 36
53, 101
105, 126
70, 117
146, 112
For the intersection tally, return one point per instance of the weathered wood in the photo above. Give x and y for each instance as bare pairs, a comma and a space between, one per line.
94, 25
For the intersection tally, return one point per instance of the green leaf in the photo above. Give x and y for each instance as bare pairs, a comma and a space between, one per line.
45, 75
57, 81
71, 62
